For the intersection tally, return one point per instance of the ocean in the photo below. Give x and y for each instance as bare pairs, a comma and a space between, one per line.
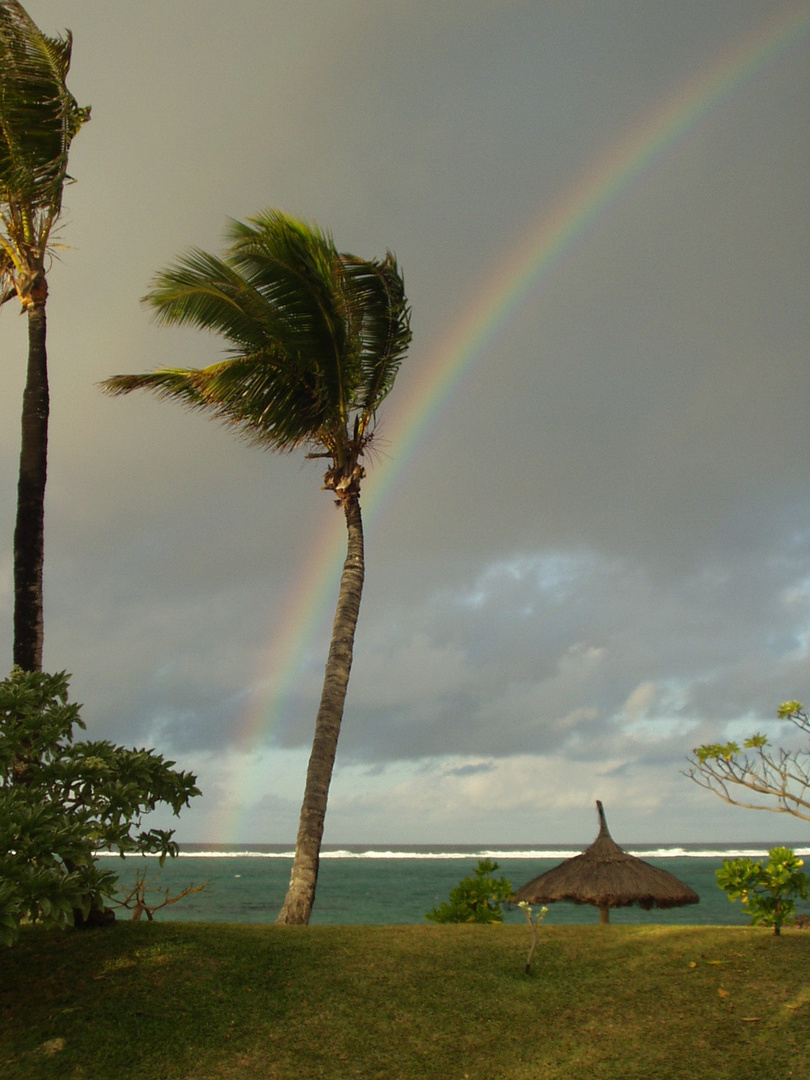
381, 885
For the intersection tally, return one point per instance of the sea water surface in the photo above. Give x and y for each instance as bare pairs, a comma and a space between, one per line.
398, 884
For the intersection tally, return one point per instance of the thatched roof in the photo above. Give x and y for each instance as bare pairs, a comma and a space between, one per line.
607, 877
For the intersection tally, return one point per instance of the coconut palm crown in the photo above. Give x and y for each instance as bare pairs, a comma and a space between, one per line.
315, 340
38, 120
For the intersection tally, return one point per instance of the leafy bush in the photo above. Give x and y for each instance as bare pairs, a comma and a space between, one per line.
770, 891
61, 801
476, 899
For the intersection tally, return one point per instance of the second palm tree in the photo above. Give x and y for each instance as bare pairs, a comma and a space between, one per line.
316, 339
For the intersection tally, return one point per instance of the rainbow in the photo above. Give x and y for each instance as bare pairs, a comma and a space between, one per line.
543, 243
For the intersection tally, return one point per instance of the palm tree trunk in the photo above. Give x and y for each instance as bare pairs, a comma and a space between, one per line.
301, 892
29, 533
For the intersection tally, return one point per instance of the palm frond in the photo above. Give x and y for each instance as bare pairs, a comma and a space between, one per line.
377, 307
204, 291
294, 265
174, 383
271, 400
268, 401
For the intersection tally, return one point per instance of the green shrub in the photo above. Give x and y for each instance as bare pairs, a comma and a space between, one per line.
61, 801
769, 891
476, 899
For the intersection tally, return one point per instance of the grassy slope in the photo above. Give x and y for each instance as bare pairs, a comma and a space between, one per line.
169, 1001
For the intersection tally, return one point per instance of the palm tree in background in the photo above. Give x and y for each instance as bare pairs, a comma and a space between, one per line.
316, 339
38, 120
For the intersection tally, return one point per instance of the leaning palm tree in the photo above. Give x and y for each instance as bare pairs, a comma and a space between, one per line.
38, 119
315, 338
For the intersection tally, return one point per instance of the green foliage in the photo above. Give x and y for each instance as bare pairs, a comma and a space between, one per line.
769, 891
727, 751
790, 710
61, 801
476, 899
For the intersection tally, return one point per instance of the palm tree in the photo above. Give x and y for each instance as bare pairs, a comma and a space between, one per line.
38, 119
315, 338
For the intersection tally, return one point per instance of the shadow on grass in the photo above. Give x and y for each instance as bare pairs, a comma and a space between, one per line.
213, 1002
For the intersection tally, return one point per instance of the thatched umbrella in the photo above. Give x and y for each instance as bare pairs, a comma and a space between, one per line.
607, 877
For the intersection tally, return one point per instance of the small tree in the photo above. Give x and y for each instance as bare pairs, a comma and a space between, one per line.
534, 925
62, 801
768, 891
782, 776
476, 899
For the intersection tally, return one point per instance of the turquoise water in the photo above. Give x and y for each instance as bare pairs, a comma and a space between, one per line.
395, 886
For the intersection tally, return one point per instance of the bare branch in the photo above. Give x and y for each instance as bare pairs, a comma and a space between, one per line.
135, 899
783, 777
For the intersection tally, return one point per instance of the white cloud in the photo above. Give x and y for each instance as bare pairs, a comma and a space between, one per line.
640, 700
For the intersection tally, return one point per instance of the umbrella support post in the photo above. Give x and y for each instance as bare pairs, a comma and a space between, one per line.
604, 914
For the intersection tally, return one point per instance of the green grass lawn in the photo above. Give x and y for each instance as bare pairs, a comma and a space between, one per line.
141, 1001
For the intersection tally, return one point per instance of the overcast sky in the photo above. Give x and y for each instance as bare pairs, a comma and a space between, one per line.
594, 556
